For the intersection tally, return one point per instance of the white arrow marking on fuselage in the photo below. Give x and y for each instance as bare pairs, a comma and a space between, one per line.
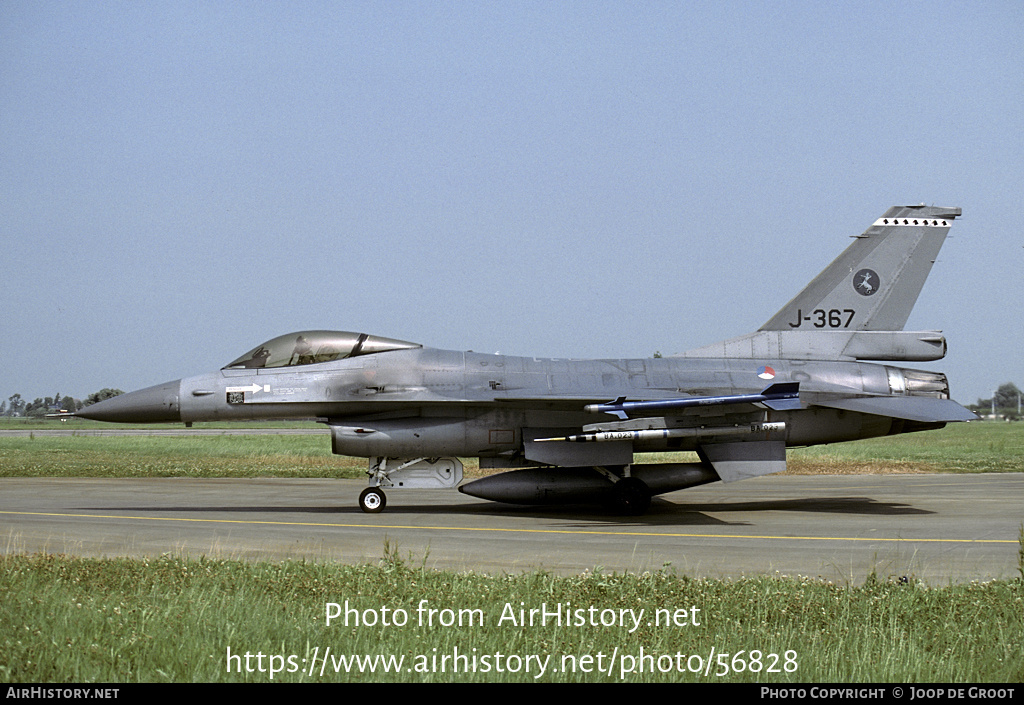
251, 388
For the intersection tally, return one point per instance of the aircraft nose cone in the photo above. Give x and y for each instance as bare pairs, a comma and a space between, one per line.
151, 405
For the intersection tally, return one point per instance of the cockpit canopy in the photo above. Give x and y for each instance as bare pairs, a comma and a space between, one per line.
312, 346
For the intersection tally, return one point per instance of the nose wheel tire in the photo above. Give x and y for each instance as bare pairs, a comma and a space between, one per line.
372, 500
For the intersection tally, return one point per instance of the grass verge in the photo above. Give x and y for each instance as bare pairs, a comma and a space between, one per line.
172, 619
975, 447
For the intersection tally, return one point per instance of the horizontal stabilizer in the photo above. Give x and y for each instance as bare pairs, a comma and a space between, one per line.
925, 409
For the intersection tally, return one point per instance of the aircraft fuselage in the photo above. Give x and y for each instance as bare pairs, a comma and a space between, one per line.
475, 405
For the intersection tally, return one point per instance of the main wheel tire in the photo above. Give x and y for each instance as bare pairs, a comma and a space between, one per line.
372, 500
631, 497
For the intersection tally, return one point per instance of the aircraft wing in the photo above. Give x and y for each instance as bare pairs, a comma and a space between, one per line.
924, 409
781, 396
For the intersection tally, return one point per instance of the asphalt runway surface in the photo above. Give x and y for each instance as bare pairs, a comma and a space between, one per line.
936, 528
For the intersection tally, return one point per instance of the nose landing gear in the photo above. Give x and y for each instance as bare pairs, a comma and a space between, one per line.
372, 500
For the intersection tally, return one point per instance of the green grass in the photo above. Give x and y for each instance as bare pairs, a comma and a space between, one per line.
975, 447
172, 619
959, 448
972, 447
175, 456
30, 423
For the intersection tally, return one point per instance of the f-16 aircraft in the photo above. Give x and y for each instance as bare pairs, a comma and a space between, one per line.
568, 431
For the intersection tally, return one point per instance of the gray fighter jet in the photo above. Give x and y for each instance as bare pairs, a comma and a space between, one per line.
568, 431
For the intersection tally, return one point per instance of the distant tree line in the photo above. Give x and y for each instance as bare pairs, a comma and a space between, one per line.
16, 406
1007, 400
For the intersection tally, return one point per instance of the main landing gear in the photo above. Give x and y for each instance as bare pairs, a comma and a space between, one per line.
630, 497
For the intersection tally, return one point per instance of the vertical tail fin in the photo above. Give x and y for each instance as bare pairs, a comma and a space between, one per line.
875, 282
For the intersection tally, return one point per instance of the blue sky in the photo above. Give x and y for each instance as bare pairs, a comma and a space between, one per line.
182, 181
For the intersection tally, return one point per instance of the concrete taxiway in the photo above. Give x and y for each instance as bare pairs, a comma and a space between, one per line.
938, 528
